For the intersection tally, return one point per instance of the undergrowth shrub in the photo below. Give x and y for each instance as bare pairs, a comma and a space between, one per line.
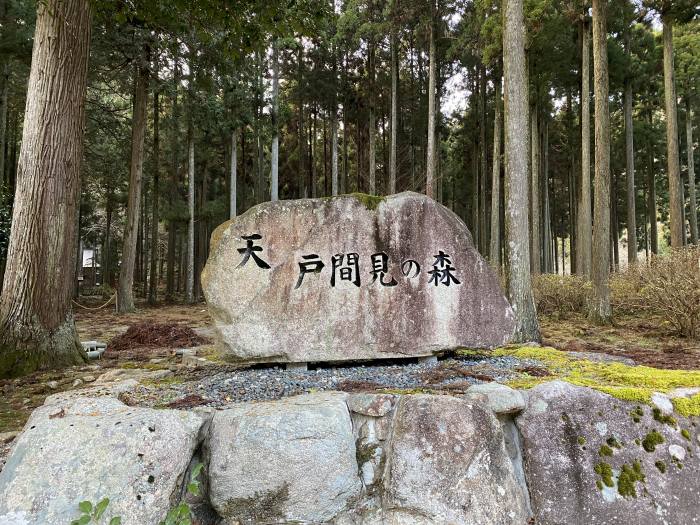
670, 286
667, 286
561, 294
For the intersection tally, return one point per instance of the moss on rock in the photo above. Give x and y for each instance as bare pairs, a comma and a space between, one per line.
629, 476
652, 439
625, 382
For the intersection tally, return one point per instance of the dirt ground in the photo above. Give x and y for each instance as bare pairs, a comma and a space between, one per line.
102, 325
647, 340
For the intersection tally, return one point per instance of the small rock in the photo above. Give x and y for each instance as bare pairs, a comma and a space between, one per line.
663, 403
89, 379
677, 452
7, 437
688, 391
77, 383
375, 405
53, 385
500, 398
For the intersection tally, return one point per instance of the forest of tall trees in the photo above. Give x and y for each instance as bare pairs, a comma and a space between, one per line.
562, 133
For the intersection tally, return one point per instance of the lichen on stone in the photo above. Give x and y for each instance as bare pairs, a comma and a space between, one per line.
685, 433
661, 466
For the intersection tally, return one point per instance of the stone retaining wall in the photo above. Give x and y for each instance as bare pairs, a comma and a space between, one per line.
559, 454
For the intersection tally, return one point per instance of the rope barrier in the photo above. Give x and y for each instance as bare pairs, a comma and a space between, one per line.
96, 308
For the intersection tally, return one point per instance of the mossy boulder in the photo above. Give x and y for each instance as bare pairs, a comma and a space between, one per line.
623, 470
352, 277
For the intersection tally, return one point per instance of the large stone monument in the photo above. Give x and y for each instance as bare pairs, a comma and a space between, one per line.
351, 278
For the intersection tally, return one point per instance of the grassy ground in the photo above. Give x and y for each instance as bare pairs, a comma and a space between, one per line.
645, 340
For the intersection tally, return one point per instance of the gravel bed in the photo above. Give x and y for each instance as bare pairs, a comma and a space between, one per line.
258, 384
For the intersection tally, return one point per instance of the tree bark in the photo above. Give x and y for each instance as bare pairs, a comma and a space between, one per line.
691, 173
672, 155
430, 178
600, 311
37, 330
631, 191
125, 291
518, 281
495, 247
274, 154
155, 252
584, 233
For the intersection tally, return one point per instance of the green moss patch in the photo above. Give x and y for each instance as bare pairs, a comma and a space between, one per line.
629, 477
605, 451
661, 466
371, 202
652, 439
687, 406
629, 383
686, 434
606, 474
663, 418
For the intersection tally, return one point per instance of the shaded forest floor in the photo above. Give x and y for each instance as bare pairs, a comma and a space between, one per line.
646, 340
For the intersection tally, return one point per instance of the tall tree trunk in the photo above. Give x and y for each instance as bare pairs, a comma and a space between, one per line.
672, 155
430, 179
155, 252
107, 242
125, 297
495, 248
372, 124
584, 233
518, 281
233, 209
629, 155
600, 310
334, 150
172, 223
301, 137
36, 321
651, 183
189, 286
259, 180
394, 109
535, 218
4, 92
691, 173
631, 191
546, 215
274, 154
483, 157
